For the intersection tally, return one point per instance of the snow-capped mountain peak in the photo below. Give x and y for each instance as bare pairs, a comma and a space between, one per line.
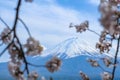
71, 48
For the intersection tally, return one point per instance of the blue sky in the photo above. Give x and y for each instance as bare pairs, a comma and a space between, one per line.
48, 20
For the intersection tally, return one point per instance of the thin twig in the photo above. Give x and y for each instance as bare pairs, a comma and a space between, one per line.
7, 27
93, 32
4, 23
97, 33
115, 61
25, 26
36, 65
5, 49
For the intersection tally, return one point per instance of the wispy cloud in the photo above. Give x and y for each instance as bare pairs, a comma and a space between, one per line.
52, 20
47, 22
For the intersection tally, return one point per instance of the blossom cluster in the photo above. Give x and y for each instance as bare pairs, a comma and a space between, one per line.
5, 36
93, 63
14, 69
107, 61
33, 76
104, 46
33, 47
110, 22
54, 64
82, 27
106, 76
84, 76
109, 16
18, 51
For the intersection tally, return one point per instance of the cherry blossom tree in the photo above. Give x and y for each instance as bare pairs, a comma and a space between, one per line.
18, 51
110, 21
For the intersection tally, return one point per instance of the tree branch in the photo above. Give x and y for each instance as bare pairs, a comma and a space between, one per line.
115, 60
25, 61
97, 33
93, 32
17, 13
4, 23
5, 49
25, 26
15, 35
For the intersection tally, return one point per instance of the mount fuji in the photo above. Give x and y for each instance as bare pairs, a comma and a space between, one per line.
73, 52
74, 47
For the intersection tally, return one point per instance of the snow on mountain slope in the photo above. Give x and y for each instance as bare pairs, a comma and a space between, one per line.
71, 48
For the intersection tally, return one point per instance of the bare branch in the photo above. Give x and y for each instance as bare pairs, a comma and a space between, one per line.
98, 34
93, 32
5, 49
115, 61
25, 26
15, 35
23, 54
17, 13
4, 23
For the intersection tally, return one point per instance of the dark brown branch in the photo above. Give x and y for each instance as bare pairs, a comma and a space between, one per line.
4, 23
17, 13
93, 32
7, 27
5, 49
25, 61
115, 59
25, 26
15, 36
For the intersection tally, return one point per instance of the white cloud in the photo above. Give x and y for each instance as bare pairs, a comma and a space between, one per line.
48, 22
94, 2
